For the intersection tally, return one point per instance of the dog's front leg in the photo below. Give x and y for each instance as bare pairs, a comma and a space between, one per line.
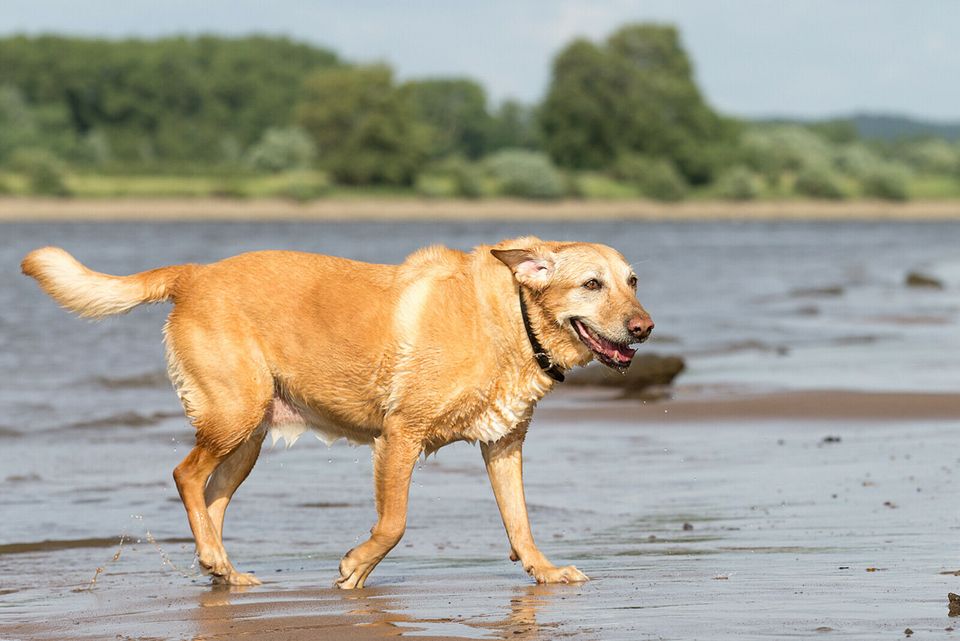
504, 460
394, 457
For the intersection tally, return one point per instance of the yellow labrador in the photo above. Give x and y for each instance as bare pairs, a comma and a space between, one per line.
448, 346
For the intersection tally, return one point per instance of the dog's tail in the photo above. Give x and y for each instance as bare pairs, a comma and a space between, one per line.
94, 295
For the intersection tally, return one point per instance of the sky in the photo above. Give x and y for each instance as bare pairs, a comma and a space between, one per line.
753, 58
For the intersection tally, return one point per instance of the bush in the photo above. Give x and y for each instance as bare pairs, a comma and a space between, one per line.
655, 178
92, 150
305, 186
44, 172
888, 182
469, 180
934, 156
774, 149
855, 159
819, 182
738, 183
598, 186
527, 174
231, 187
281, 150
450, 178
434, 185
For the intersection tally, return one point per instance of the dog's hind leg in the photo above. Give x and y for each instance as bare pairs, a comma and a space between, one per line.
226, 389
227, 398
193, 478
394, 457
228, 476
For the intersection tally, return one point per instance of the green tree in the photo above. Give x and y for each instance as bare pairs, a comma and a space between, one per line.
366, 129
181, 100
514, 125
18, 126
633, 94
456, 111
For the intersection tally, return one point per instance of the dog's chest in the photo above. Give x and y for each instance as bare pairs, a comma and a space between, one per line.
506, 405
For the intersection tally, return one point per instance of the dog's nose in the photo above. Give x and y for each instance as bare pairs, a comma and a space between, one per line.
640, 327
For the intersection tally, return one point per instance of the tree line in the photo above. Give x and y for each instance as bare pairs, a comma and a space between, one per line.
621, 118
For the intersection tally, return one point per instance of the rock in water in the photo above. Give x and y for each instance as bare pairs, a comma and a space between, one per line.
953, 601
917, 279
646, 371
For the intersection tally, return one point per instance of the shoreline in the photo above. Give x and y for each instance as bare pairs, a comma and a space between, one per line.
13, 209
803, 405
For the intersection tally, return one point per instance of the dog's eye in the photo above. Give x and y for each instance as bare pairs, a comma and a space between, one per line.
593, 284
632, 281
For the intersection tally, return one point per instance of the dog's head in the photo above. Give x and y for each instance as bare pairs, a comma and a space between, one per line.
585, 296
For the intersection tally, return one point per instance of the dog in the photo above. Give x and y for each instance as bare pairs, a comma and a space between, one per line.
447, 346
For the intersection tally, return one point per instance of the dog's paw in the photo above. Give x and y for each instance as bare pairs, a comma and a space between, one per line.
565, 574
215, 563
236, 579
352, 574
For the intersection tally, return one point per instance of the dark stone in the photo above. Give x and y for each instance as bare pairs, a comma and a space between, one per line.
646, 371
917, 279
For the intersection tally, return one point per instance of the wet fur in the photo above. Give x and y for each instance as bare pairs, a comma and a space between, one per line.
406, 358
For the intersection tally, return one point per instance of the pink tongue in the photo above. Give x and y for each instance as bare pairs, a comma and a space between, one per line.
621, 353
618, 352
626, 353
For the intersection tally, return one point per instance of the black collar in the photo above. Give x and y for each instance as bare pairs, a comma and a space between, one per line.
543, 359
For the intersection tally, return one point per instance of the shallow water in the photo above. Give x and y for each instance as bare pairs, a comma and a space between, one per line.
90, 431
785, 531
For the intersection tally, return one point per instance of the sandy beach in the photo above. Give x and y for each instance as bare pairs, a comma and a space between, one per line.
722, 538
388, 209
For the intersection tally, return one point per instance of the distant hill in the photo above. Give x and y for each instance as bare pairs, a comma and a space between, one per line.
890, 127
881, 126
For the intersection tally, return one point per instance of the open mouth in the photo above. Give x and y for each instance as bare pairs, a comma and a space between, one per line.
608, 352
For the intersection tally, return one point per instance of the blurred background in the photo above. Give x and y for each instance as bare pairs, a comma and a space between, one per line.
784, 177
611, 100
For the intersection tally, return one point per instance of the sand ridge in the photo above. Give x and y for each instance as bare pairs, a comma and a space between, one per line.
391, 209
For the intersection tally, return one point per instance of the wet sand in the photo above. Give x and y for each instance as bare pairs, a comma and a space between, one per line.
413, 209
807, 405
789, 524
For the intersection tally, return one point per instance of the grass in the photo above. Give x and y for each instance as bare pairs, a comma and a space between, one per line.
934, 187
308, 185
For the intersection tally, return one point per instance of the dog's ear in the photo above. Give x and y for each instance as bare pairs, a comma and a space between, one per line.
529, 266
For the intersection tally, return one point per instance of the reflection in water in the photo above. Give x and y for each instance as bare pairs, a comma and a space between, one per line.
373, 613
221, 595
521, 620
